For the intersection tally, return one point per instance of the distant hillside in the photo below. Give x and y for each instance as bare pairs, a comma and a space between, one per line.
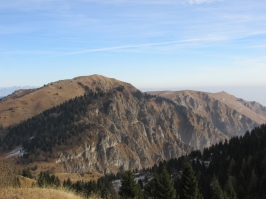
9, 90
96, 123
229, 114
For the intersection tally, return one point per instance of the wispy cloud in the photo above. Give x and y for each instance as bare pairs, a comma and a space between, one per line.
201, 1
166, 46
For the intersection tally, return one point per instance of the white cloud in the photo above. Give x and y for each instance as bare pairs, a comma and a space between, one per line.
201, 1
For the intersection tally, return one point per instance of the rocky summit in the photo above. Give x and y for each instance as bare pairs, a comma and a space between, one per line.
96, 123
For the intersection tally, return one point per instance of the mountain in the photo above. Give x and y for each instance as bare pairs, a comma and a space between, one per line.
231, 115
26, 103
4, 91
95, 123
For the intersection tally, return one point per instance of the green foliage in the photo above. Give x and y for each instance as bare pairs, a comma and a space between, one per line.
230, 191
84, 188
67, 183
161, 187
216, 190
189, 185
45, 180
141, 183
130, 188
102, 187
138, 94
26, 173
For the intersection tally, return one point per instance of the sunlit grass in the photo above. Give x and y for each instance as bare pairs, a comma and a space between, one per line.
40, 193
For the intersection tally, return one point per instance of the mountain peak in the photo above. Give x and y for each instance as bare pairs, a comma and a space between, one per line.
50, 95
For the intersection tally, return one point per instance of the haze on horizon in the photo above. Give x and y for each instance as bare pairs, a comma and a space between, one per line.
154, 45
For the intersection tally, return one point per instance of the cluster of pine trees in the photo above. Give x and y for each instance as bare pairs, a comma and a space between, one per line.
102, 188
161, 186
230, 170
53, 127
47, 180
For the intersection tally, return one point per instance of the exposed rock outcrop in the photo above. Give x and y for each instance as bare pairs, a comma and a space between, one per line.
128, 133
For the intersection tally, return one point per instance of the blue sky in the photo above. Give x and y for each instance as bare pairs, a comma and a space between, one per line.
154, 45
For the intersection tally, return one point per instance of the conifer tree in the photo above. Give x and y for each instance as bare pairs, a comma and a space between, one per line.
67, 183
229, 191
140, 183
161, 187
149, 189
263, 185
26, 173
216, 190
189, 184
165, 186
130, 188
252, 182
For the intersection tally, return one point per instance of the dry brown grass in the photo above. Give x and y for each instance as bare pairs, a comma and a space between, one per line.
74, 177
39, 193
26, 191
26, 182
7, 173
17, 108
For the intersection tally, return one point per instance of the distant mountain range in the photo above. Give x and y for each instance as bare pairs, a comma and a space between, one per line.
9, 90
95, 123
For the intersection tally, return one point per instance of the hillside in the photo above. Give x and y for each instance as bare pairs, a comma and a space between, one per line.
102, 130
100, 124
36, 193
231, 115
26, 103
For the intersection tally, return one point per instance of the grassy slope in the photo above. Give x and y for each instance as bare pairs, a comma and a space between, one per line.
38, 193
22, 106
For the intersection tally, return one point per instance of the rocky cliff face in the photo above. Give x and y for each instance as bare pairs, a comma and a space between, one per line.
128, 133
136, 133
230, 115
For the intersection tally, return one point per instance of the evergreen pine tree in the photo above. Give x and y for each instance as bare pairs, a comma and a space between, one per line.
161, 187
262, 185
165, 186
26, 173
130, 188
229, 191
252, 185
189, 184
216, 190
140, 183
150, 188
